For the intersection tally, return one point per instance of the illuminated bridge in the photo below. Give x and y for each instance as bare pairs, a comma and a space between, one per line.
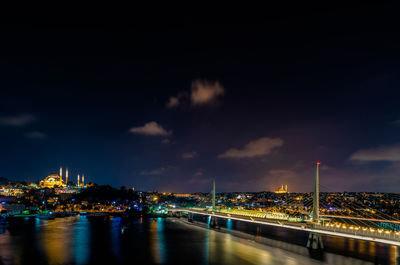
362, 228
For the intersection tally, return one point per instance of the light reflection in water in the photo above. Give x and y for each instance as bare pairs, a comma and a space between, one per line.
372, 249
393, 254
207, 248
351, 244
229, 224
116, 235
56, 240
158, 250
5, 250
81, 240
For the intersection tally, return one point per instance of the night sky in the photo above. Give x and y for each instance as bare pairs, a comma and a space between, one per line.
169, 107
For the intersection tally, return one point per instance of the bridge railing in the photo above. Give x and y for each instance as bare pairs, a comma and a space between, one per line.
367, 232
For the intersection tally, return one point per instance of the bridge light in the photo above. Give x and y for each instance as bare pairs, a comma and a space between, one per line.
397, 233
364, 229
372, 230
380, 230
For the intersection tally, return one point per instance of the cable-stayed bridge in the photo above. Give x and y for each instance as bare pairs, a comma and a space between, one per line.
349, 219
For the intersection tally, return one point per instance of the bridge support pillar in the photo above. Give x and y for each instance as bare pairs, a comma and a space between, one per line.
315, 241
214, 222
190, 217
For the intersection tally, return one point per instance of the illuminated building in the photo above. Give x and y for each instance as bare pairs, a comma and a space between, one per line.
66, 177
80, 181
53, 180
282, 189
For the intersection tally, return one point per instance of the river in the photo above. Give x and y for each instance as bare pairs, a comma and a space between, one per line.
79, 240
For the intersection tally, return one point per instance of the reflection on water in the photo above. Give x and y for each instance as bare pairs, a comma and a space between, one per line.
56, 239
157, 241
78, 240
81, 240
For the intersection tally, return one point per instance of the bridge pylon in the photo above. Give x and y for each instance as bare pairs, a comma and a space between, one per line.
213, 196
315, 212
190, 217
214, 220
314, 239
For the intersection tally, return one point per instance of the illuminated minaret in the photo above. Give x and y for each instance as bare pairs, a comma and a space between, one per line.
83, 180
78, 180
61, 174
66, 177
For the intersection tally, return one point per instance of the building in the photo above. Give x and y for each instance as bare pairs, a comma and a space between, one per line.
54, 180
282, 189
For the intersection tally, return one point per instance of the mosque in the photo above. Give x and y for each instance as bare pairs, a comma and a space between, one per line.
56, 180
282, 189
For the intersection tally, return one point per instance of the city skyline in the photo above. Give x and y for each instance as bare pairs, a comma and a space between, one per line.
173, 106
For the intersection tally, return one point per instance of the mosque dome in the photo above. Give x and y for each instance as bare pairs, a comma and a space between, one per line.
51, 181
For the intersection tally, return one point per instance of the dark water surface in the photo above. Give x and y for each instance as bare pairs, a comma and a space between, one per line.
78, 240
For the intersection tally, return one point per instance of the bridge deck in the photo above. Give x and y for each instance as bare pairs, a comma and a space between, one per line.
384, 238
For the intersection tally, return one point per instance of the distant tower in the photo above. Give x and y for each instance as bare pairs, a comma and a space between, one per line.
61, 174
83, 180
213, 196
78, 180
286, 188
66, 177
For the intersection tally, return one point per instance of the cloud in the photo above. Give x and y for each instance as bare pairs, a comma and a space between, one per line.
205, 92
202, 92
382, 153
35, 135
189, 155
198, 174
165, 141
396, 122
173, 102
151, 128
158, 171
259, 147
17, 120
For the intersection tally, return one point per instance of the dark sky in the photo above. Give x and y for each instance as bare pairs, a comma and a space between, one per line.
168, 107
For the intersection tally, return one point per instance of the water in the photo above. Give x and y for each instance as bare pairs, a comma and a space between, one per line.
78, 240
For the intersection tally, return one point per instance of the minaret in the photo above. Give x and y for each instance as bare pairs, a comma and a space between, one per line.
78, 180
83, 180
61, 174
66, 177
